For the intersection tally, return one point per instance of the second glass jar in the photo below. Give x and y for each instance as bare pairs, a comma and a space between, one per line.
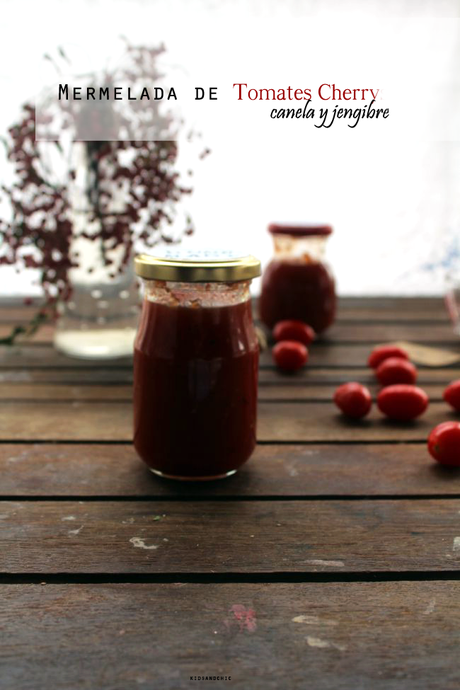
297, 283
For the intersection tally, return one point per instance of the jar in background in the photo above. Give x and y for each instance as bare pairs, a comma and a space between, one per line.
297, 284
195, 365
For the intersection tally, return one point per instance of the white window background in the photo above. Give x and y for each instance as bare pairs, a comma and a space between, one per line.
395, 206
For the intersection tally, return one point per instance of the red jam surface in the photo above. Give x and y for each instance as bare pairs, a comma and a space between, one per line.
298, 290
195, 389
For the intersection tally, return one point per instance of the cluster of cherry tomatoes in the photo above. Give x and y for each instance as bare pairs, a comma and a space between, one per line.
292, 340
399, 399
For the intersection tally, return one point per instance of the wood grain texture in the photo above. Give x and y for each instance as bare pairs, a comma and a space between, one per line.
328, 360
155, 537
390, 315
102, 375
277, 392
13, 310
322, 376
29, 357
359, 331
274, 390
68, 392
337, 355
383, 635
322, 355
322, 422
291, 471
385, 302
278, 422
269, 375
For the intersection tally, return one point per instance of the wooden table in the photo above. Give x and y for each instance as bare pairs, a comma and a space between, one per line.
331, 561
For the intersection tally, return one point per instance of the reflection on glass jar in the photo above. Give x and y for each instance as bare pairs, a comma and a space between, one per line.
297, 283
195, 367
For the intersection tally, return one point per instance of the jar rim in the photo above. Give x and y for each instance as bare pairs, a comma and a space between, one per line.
300, 230
197, 267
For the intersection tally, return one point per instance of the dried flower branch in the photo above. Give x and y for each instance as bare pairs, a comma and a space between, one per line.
132, 192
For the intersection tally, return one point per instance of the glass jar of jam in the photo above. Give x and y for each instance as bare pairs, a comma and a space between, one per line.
297, 284
196, 360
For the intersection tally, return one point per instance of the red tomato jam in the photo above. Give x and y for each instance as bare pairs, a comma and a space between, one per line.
195, 383
298, 290
297, 284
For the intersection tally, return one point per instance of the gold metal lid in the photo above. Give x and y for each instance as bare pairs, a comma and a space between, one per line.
210, 266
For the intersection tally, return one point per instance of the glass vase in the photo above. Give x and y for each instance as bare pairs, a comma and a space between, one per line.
100, 319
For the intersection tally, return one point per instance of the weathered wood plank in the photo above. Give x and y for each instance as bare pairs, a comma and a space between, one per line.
328, 377
113, 377
342, 332
275, 391
326, 354
101, 375
13, 310
377, 314
316, 422
278, 422
382, 333
382, 635
341, 356
44, 391
393, 302
325, 393
287, 470
30, 357
311, 422
229, 536
346, 316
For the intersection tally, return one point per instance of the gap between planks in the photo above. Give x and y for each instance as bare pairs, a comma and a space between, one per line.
227, 578
284, 442
219, 498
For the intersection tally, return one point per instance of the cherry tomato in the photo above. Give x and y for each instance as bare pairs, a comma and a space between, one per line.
353, 399
396, 370
452, 395
290, 355
379, 354
294, 330
444, 444
402, 402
